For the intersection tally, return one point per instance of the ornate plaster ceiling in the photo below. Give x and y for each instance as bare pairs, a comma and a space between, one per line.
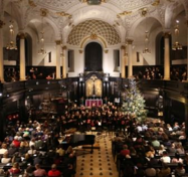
130, 4
66, 4
90, 27
57, 4
71, 15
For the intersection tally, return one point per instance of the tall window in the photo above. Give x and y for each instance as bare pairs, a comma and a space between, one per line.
116, 60
71, 60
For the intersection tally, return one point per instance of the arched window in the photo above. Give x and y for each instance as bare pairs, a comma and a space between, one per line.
93, 57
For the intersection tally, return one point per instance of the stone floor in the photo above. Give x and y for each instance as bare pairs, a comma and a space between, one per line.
100, 163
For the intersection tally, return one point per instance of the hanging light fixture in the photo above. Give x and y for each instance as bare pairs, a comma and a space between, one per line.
42, 50
11, 45
146, 41
176, 45
146, 49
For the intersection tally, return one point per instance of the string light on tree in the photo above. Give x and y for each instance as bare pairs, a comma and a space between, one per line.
133, 102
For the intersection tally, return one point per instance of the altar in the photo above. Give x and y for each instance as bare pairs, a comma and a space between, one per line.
93, 102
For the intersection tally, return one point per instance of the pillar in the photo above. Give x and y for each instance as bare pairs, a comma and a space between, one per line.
123, 52
186, 115
22, 57
130, 67
58, 66
64, 62
1, 52
167, 56
187, 50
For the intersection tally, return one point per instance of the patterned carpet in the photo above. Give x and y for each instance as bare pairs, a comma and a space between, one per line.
100, 163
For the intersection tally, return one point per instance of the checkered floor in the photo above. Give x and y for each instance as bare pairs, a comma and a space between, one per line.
100, 163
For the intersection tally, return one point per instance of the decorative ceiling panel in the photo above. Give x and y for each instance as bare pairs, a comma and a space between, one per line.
61, 5
90, 27
130, 4
66, 4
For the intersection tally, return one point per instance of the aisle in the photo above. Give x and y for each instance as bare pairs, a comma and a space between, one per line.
100, 163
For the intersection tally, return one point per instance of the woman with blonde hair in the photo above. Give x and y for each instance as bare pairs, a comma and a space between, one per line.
5, 158
180, 148
3, 149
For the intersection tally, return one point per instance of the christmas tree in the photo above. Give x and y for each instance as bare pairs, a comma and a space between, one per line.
133, 102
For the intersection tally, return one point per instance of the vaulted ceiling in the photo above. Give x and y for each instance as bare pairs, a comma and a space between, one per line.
121, 16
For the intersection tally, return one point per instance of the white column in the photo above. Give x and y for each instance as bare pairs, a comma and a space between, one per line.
64, 61
167, 57
130, 67
123, 61
22, 57
1, 52
58, 66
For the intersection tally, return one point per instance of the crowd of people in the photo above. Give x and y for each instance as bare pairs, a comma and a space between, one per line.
36, 149
152, 149
12, 74
33, 147
178, 73
108, 117
149, 73
35, 74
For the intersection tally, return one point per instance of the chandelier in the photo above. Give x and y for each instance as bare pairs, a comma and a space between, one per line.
11, 45
42, 50
176, 45
146, 49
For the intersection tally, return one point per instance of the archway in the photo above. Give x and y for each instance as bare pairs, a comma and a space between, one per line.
93, 57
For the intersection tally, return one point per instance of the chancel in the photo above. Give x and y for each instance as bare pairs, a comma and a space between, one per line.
93, 88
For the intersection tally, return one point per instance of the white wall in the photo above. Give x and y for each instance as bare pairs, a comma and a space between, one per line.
49, 46
108, 61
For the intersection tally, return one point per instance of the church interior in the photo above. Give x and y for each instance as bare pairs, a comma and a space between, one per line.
112, 74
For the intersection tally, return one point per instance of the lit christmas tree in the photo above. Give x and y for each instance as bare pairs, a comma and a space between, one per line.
133, 102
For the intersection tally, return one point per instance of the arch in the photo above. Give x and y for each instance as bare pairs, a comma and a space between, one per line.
36, 24
89, 39
14, 13
93, 57
36, 18
139, 21
93, 27
171, 12
54, 27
